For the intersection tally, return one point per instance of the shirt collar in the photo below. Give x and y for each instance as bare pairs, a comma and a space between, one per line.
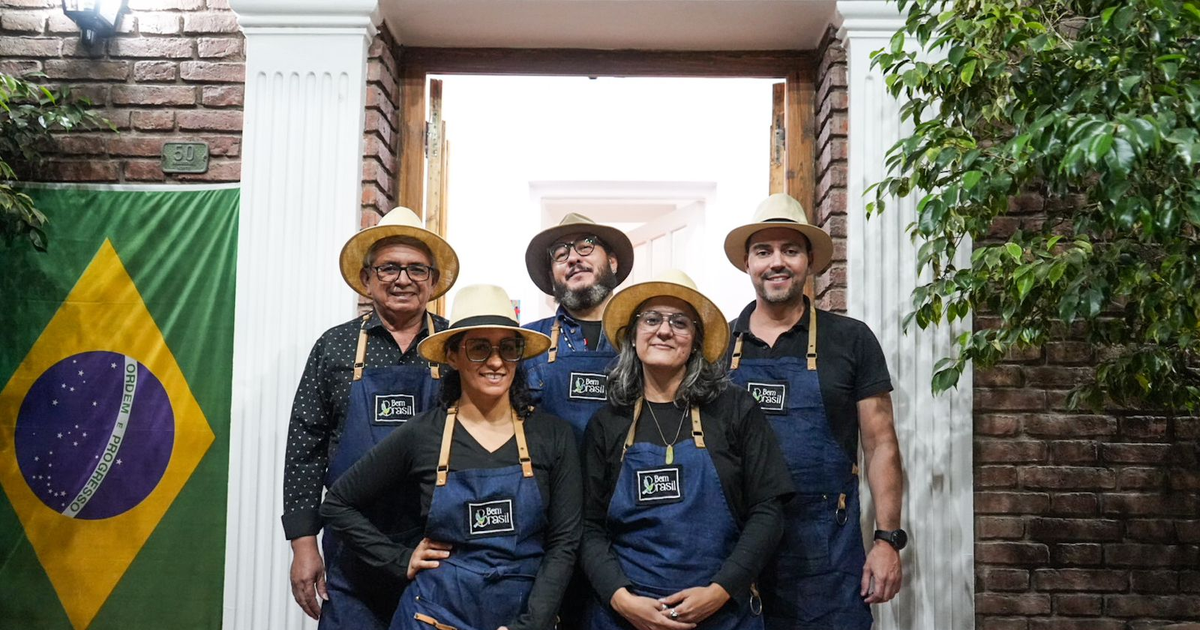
375, 321
742, 324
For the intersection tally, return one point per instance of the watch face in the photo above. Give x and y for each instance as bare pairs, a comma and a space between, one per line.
899, 539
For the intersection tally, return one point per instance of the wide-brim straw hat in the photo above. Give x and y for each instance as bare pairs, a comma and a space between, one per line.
537, 256
670, 283
780, 211
477, 307
399, 222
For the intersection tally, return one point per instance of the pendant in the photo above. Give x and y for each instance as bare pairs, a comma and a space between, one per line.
670, 453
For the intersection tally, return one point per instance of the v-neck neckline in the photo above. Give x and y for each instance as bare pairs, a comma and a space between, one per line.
480, 445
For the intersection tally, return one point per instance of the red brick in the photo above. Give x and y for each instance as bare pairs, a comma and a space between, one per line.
1077, 605
87, 69
1187, 428
23, 22
1161, 582
136, 146
1021, 553
999, 528
1024, 355
1184, 479
1074, 504
1080, 554
19, 67
1074, 452
1086, 580
1068, 352
1009, 399
1075, 624
217, 172
994, 579
217, 22
86, 171
1057, 376
1141, 478
1027, 203
1143, 504
219, 47
1188, 531
1008, 451
144, 170
160, 24
1011, 503
1135, 453
146, 71
222, 95
213, 71
1067, 477
153, 95
209, 120
80, 145
1151, 556
1012, 604
152, 47
154, 120
1166, 607
1144, 429
1189, 581
1001, 623
1074, 530
995, 477
999, 376
229, 146
165, 5
1152, 530
30, 47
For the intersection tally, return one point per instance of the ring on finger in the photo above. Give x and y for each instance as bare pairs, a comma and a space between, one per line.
674, 614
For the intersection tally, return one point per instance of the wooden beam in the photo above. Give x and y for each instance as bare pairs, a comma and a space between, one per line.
412, 139
778, 146
801, 139
769, 64
434, 163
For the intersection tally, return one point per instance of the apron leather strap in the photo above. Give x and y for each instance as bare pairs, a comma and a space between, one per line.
812, 338
697, 430
553, 351
426, 619
443, 467
637, 411
435, 371
737, 353
360, 353
522, 446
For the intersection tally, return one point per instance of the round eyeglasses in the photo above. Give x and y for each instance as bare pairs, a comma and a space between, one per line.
584, 245
651, 321
480, 350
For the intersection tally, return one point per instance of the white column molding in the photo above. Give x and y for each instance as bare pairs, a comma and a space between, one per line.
302, 147
935, 433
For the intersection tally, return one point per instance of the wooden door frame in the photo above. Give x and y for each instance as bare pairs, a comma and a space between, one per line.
798, 69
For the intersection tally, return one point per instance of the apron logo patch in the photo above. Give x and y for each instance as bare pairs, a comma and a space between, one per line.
493, 517
588, 386
394, 408
770, 396
661, 485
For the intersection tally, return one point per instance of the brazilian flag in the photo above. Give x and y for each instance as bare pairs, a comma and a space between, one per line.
115, 363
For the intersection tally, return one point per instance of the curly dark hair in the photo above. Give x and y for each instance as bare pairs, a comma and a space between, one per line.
518, 393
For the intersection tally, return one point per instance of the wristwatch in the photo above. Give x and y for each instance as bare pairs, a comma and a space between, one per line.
897, 538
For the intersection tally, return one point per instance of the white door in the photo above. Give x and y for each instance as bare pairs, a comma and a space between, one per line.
666, 242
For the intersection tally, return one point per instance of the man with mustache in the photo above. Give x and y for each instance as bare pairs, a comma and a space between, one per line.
579, 263
363, 379
823, 381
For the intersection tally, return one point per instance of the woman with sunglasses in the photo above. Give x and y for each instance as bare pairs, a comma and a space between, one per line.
495, 481
683, 479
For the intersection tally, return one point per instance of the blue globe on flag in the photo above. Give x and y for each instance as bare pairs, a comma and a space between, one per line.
94, 435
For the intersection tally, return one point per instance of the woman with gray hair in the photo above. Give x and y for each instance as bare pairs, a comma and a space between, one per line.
677, 525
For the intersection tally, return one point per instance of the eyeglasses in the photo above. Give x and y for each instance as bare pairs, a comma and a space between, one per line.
651, 321
480, 350
390, 272
582, 246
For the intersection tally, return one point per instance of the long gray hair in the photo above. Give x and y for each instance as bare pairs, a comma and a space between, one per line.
702, 382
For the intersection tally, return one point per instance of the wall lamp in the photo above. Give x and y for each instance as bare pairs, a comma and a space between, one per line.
96, 18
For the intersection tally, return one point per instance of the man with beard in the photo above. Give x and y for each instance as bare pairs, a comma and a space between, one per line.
821, 577
580, 263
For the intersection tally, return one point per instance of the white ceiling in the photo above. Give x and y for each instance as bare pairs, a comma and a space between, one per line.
610, 24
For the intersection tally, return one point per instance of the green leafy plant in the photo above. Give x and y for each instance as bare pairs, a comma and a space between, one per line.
1093, 106
30, 114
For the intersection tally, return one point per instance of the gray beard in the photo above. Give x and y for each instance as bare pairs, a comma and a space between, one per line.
584, 299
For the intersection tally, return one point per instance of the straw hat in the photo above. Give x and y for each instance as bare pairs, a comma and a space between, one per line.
671, 283
780, 211
399, 222
478, 307
537, 257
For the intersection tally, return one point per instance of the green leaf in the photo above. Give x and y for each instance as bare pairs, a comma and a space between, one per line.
968, 71
1099, 147
1014, 251
1107, 14
897, 43
1129, 82
971, 179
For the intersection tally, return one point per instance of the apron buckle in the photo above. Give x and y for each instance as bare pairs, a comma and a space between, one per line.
755, 600
840, 515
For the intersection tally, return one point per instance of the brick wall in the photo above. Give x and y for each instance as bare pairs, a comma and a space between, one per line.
831, 149
380, 160
174, 72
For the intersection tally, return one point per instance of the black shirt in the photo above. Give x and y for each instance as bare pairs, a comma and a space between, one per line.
404, 465
850, 364
591, 332
749, 464
319, 412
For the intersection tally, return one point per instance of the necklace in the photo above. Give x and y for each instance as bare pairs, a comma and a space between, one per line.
671, 446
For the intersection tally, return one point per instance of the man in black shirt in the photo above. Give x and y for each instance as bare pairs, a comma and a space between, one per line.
820, 392
363, 378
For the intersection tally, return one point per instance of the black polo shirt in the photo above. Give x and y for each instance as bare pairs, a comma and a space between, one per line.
850, 364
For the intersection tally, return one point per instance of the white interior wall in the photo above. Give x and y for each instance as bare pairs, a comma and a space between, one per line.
513, 135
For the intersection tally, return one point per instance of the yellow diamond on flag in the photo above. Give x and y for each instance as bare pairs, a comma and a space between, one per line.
99, 432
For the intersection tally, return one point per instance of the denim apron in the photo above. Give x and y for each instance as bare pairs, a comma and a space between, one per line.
495, 520
362, 597
671, 528
571, 382
813, 581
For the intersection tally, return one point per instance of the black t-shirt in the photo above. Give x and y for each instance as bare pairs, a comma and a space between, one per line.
591, 332
850, 364
749, 464
404, 465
